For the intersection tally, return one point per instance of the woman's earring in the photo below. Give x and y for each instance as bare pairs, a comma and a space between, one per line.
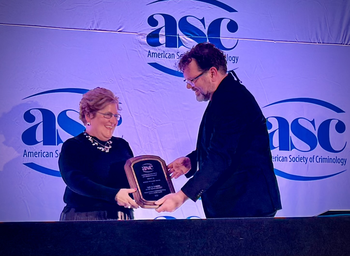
88, 124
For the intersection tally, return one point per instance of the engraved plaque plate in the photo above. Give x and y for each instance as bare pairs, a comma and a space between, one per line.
148, 173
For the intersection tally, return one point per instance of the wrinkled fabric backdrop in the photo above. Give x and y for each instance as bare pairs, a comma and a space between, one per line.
292, 55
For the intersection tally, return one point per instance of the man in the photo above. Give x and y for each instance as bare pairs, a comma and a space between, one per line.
231, 168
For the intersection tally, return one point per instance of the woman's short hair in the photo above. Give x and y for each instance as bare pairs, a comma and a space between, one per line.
95, 100
206, 56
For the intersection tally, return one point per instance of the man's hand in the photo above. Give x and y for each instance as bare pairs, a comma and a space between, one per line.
171, 202
179, 166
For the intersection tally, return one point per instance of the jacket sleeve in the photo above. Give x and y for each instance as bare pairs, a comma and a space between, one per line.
193, 157
220, 154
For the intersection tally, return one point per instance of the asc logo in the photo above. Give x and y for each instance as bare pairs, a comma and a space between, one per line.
147, 168
309, 143
169, 33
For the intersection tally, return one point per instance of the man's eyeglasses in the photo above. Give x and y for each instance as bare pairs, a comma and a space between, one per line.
109, 115
191, 81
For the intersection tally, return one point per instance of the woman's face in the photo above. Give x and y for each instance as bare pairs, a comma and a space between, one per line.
101, 126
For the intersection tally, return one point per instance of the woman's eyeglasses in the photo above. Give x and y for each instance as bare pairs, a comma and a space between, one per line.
109, 115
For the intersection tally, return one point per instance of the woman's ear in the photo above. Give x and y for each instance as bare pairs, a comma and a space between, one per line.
88, 117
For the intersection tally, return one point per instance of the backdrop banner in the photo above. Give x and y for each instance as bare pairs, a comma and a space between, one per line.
292, 55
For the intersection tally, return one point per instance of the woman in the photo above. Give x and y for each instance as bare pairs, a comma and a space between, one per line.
92, 164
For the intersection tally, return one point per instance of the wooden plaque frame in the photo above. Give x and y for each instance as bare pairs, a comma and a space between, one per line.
148, 173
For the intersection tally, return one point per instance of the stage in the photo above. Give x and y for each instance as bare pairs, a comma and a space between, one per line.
328, 235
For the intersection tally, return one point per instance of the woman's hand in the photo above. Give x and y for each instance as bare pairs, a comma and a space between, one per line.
123, 198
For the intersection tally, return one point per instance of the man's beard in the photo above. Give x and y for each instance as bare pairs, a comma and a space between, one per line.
203, 97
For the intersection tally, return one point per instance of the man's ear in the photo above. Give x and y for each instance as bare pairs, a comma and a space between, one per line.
213, 74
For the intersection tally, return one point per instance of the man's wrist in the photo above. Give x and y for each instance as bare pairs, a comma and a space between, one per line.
183, 196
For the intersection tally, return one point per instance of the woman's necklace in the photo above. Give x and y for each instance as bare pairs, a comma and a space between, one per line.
105, 148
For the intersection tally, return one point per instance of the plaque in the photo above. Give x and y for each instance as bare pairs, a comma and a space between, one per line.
149, 175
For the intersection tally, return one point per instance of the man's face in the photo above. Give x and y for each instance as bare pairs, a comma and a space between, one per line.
198, 81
